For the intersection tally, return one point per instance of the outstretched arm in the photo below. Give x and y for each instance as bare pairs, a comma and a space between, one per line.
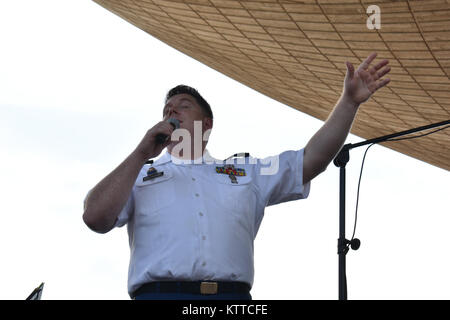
359, 85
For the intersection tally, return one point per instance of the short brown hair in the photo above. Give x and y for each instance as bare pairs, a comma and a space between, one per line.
194, 93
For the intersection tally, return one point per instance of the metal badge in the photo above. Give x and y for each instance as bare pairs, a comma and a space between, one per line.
152, 173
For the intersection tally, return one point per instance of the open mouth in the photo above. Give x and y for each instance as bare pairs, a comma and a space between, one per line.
178, 120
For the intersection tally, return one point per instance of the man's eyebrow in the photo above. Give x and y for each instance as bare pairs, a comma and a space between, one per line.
186, 99
183, 99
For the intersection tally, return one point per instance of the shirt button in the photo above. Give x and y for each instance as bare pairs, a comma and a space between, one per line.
197, 195
203, 237
204, 264
201, 214
193, 179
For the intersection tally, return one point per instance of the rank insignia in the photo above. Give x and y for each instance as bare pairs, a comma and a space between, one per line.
231, 171
152, 173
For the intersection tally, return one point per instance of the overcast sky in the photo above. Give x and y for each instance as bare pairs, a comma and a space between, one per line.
79, 87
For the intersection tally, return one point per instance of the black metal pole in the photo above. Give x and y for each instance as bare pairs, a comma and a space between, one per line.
341, 240
341, 161
398, 134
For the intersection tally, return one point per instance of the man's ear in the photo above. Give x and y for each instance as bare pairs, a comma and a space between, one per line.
207, 123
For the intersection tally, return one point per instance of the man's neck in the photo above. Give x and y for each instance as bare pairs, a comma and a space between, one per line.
194, 154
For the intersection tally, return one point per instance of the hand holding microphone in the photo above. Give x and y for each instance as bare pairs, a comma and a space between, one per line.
156, 139
162, 138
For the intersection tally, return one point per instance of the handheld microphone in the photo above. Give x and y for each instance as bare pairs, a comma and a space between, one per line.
161, 138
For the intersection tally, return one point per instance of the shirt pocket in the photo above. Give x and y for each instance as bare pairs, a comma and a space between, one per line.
239, 199
154, 194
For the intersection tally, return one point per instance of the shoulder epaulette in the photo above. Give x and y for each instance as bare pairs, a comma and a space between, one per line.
238, 155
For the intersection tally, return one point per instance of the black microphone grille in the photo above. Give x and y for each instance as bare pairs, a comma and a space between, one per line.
174, 122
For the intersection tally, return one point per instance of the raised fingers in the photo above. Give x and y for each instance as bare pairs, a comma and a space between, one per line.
382, 83
366, 63
383, 72
381, 64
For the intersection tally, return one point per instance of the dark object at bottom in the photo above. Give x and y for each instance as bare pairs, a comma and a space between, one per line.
201, 288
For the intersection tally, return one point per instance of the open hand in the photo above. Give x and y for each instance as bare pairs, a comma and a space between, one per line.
359, 85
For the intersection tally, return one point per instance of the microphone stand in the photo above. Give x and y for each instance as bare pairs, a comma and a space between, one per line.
341, 161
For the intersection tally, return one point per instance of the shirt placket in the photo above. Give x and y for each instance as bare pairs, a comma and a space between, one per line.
200, 214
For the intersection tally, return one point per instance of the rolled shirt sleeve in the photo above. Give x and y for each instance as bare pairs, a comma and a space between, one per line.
126, 212
280, 178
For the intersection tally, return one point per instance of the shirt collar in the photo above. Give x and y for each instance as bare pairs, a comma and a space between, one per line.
205, 159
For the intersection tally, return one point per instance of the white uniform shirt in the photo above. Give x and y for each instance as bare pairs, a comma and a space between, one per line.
193, 223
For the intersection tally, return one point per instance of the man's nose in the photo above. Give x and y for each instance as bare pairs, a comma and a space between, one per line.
172, 110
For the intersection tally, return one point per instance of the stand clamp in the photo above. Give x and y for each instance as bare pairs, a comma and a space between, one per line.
343, 245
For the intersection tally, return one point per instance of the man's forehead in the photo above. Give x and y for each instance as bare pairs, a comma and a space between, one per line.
181, 97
